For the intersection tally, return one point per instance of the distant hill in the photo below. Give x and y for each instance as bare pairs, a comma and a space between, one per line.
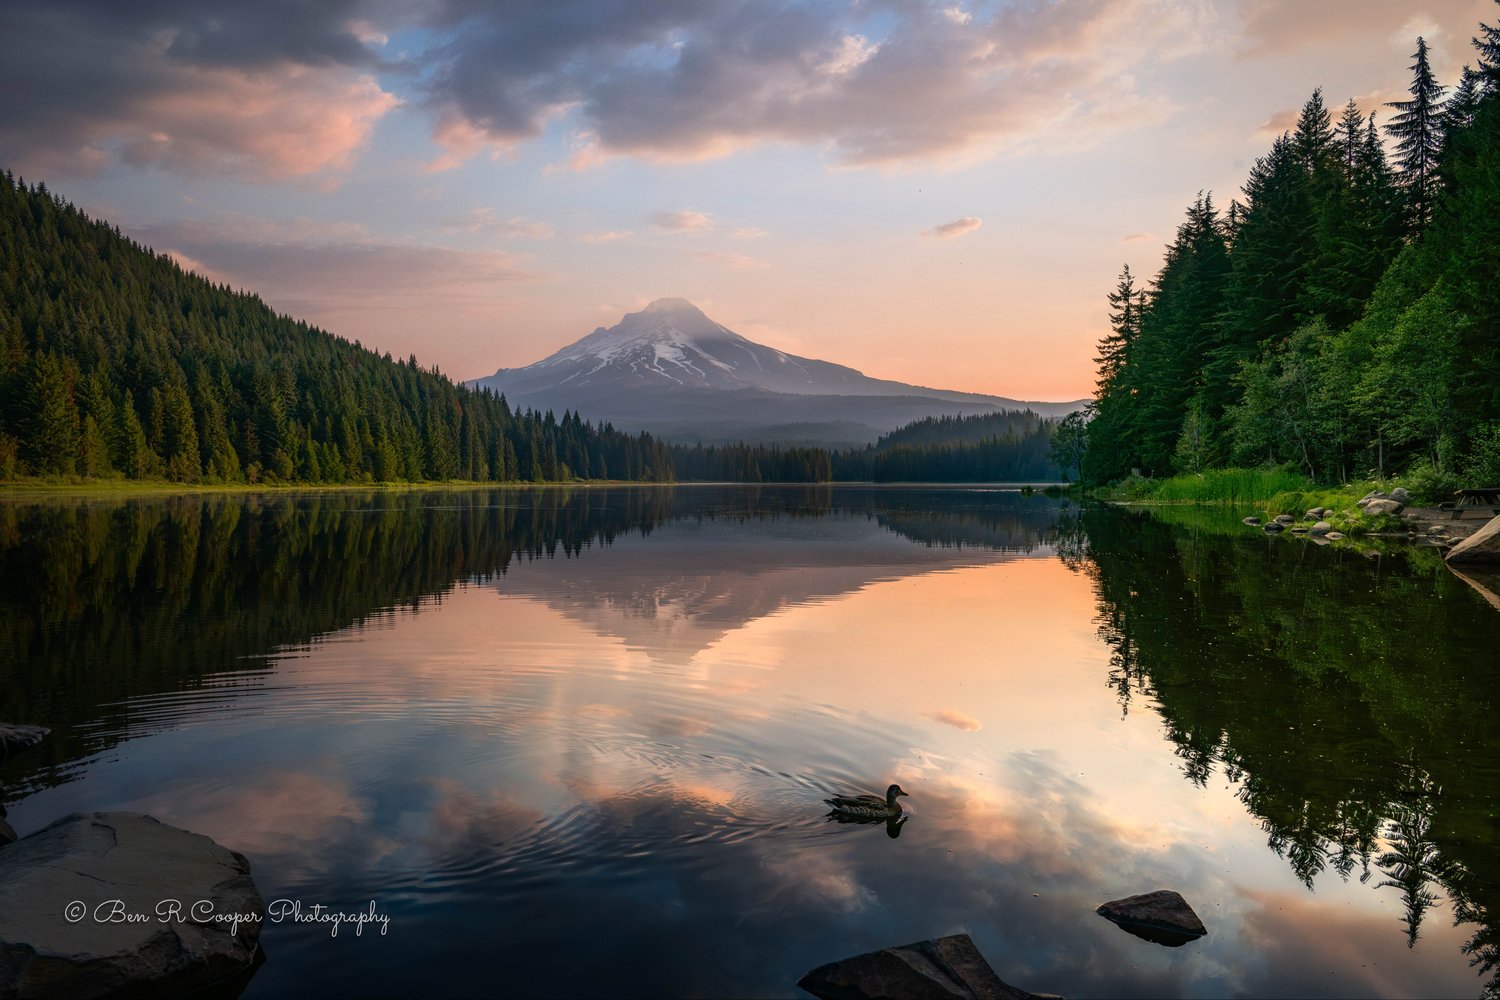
672, 370
116, 362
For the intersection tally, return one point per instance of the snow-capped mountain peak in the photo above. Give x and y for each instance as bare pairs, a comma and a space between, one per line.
672, 369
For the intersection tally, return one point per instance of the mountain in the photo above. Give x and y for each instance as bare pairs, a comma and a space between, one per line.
672, 370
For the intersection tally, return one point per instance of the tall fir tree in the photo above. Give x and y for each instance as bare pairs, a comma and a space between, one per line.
1417, 128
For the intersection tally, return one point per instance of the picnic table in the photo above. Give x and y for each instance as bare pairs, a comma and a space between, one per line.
1467, 500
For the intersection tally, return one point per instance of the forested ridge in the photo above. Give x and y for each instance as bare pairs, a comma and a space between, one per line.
1342, 317
116, 362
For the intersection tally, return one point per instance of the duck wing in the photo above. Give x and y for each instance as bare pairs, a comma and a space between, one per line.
856, 802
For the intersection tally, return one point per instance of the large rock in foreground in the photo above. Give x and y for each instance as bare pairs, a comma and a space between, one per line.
1162, 916
949, 968
1481, 547
15, 737
58, 889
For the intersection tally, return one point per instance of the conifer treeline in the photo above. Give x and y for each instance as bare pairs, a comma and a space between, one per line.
1008, 446
113, 361
1342, 318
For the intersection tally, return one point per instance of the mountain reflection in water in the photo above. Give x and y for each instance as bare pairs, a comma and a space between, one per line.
561, 734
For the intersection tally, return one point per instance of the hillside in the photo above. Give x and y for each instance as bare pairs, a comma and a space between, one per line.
115, 362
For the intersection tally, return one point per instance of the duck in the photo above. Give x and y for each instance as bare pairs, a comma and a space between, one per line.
868, 806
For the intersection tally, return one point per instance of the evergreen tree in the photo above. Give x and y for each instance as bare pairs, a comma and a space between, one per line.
1487, 44
1417, 128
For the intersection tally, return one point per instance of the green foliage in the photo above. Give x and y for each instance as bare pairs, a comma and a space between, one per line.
1070, 442
1350, 327
1227, 486
1482, 468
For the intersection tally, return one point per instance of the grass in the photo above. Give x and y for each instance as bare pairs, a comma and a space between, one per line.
1268, 492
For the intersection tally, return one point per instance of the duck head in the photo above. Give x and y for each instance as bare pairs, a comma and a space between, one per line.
891, 793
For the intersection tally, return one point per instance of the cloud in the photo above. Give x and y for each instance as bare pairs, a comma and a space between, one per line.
748, 233
607, 236
688, 81
957, 720
1273, 27
319, 273
958, 227
737, 261
1282, 121
686, 221
490, 222
254, 91
281, 89
1135, 237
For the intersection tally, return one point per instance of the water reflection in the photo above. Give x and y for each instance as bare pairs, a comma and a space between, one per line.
1348, 693
569, 733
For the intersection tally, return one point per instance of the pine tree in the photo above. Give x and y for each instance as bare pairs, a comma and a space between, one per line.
1126, 303
1487, 44
1417, 128
1458, 114
54, 433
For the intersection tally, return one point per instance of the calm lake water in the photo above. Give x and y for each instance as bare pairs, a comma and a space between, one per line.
575, 742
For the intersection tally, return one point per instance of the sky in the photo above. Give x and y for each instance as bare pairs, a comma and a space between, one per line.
941, 193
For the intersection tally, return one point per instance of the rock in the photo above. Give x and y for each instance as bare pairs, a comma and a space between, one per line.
1481, 547
1162, 916
7, 833
949, 968
1334, 536
1321, 528
1300, 529
1316, 512
1253, 522
1401, 495
1362, 504
1271, 527
1285, 519
1384, 507
1373, 495
15, 737
48, 950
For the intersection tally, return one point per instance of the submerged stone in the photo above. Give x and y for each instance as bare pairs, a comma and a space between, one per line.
16, 736
948, 968
1162, 916
66, 892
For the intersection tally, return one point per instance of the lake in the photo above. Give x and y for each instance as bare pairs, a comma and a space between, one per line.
576, 741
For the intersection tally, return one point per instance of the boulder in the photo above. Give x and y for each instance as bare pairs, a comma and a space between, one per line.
1272, 527
1401, 495
1300, 529
1384, 507
15, 737
1285, 519
1481, 547
1334, 535
1253, 522
949, 968
1316, 512
1162, 916
1321, 528
1373, 495
80, 910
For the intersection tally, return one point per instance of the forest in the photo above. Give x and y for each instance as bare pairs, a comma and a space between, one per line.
1340, 317
114, 362
117, 364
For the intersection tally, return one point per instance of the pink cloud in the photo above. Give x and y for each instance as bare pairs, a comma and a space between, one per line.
958, 227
